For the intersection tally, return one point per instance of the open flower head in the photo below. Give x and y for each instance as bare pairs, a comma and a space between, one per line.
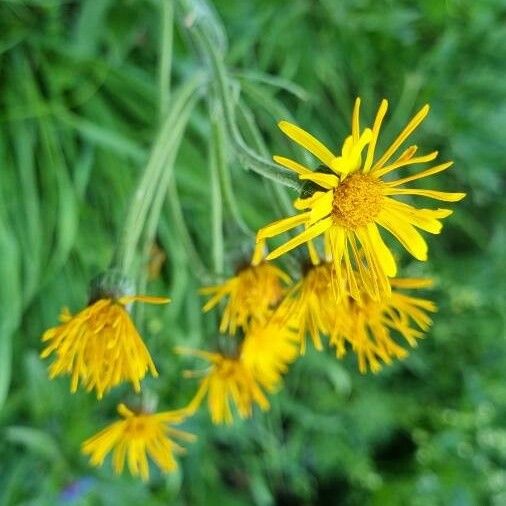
268, 349
250, 294
367, 325
100, 347
137, 436
228, 381
349, 200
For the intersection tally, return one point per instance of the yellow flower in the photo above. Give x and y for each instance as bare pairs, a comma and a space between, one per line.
251, 294
137, 436
228, 381
100, 346
347, 198
268, 348
311, 303
366, 325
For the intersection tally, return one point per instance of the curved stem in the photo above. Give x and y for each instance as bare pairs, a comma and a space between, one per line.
153, 218
217, 165
164, 146
246, 155
165, 64
282, 202
179, 223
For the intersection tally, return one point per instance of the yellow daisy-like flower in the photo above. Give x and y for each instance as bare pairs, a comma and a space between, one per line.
348, 199
228, 381
100, 346
268, 348
366, 325
136, 437
251, 293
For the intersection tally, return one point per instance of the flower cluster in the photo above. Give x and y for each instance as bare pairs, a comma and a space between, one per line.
345, 296
255, 365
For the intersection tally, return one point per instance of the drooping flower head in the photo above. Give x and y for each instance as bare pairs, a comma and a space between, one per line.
100, 347
228, 381
347, 198
366, 325
250, 294
269, 348
137, 436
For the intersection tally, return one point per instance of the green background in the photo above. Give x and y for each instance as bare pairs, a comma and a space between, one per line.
80, 103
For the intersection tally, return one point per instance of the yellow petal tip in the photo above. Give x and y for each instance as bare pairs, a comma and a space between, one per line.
283, 124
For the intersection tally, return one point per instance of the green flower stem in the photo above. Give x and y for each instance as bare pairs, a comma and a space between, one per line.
165, 64
245, 154
161, 193
227, 190
145, 194
217, 165
178, 221
282, 200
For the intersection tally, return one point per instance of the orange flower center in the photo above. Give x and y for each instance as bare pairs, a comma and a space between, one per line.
136, 426
357, 201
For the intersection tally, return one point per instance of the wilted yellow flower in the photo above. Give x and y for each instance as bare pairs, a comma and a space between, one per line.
251, 294
136, 437
347, 198
228, 381
100, 346
366, 325
310, 304
268, 348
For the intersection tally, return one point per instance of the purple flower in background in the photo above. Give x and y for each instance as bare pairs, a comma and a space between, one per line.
76, 489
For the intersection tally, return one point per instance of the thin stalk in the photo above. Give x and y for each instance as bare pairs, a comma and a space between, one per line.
283, 202
161, 193
217, 165
177, 218
246, 155
165, 63
150, 178
231, 202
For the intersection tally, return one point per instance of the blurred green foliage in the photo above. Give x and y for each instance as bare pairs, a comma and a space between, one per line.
83, 86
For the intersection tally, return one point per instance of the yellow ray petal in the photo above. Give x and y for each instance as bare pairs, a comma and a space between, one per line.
301, 204
372, 272
403, 161
355, 122
258, 253
291, 164
431, 194
382, 110
407, 235
309, 233
321, 208
352, 249
408, 130
350, 160
412, 282
408, 153
420, 175
425, 219
313, 253
280, 226
336, 243
327, 181
127, 299
383, 254
307, 141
